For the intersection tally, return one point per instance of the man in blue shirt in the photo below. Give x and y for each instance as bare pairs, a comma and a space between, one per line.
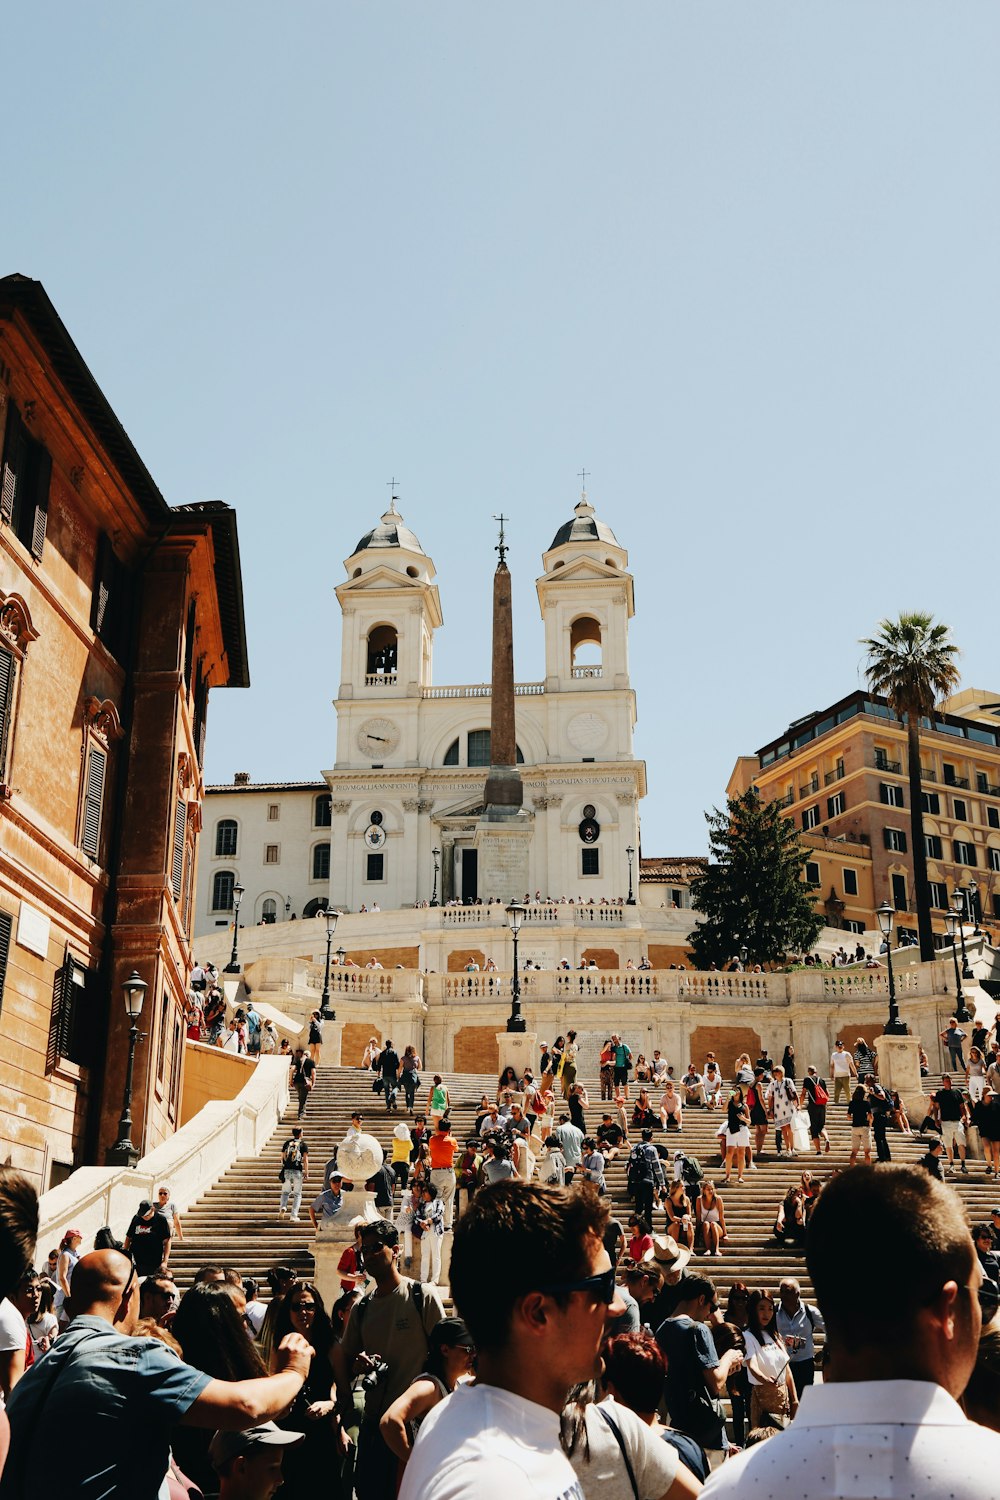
93, 1418
328, 1203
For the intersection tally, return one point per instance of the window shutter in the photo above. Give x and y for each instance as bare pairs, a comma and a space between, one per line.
6, 701
180, 825
61, 1020
43, 478
13, 462
93, 801
6, 924
102, 587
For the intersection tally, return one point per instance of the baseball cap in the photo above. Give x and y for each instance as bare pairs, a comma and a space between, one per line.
229, 1445
336, 1177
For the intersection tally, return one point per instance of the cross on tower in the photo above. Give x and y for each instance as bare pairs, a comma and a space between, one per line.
391, 485
501, 546
584, 475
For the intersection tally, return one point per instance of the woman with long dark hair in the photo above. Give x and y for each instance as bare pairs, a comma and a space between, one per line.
773, 1397
312, 1467
210, 1329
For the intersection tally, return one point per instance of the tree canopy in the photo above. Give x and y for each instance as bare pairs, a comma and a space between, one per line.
752, 895
911, 663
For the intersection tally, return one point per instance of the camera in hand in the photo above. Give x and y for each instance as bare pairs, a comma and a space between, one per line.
371, 1378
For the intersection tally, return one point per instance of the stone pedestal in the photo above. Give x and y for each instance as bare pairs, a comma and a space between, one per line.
334, 1237
899, 1068
518, 1049
502, 847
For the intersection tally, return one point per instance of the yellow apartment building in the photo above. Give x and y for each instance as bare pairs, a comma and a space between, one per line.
842, 775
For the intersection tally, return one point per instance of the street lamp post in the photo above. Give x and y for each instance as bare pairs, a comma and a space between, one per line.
960, 902
515, 916
233, 966
123, 1153
896, 1027
326, 1010
961, 1013
434, 893
630, 855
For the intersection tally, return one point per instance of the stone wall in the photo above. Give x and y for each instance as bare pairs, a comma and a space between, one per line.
459, 957
354, 1041
604, 958
476, 1050
727, 1042
387, 957
662, 955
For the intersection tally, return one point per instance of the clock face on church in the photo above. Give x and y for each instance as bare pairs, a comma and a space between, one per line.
378, 738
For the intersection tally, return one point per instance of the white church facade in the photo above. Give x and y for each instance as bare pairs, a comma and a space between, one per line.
406, 788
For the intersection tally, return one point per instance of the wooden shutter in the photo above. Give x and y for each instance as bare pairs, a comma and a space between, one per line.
101, 599
93, 801
6, 923
180, 826
7, 666
13, 462
43, 479
61, 1020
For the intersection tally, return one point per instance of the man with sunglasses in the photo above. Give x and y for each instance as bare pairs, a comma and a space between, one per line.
904, 1302
534, 1283
94, 1416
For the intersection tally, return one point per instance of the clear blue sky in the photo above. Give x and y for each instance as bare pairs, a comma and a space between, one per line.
740, 261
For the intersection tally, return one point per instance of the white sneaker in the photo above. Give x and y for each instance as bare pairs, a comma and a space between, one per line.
753, 1166
295, 1220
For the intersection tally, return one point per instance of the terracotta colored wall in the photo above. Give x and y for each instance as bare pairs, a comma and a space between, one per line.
387, 957
662, 955
460, 957
476, 1050
727, 1042
604, 958
355, 1040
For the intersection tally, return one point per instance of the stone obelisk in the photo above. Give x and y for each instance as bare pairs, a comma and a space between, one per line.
503, 835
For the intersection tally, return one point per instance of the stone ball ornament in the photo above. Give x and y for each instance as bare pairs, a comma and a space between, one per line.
360, 1157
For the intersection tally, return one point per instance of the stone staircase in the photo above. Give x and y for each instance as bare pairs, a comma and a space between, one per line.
236, 1222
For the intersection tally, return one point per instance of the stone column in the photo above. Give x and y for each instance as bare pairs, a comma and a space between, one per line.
518, 1049
899, 1068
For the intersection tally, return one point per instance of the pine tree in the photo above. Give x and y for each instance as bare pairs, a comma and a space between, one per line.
752, 895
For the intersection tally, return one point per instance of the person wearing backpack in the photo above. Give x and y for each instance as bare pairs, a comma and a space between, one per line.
386, 1342
645, 1175
816, 1099
253, 1031
294, 1171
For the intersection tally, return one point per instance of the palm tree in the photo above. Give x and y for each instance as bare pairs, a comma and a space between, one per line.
911, 665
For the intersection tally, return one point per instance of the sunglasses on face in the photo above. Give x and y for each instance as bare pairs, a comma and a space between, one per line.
602, 1286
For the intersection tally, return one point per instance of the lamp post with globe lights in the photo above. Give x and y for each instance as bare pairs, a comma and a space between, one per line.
124, 1153
952, 923
515, 916
326, 1010
233, 966
895, 1027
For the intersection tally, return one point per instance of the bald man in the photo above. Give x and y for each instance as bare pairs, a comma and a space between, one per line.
112, 1399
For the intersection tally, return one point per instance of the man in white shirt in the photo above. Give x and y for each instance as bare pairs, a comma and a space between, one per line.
841, 1068
13, 1346
897, 1281
534, 1283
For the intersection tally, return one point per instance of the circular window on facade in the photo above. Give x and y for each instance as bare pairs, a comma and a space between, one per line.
376, 818
590, 811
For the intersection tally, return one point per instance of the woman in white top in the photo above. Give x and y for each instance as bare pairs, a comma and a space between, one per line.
773, 1397
69, 1254
712, 1080
975, 1074
711, 1215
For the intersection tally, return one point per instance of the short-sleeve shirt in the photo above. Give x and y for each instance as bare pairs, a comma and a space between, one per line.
111, 1409
689, 1352
860, 1113
393, 1328
441, 1147
949, 1103
292, 1158
147, 1239
840, 1062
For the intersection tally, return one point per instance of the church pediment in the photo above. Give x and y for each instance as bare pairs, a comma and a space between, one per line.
583, 570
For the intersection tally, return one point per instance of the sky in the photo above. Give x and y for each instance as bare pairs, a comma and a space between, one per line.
737, 261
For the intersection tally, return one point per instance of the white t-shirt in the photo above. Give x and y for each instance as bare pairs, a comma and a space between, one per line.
840, 1062
654, 1462
482, 1443
13, 1332
47, 1327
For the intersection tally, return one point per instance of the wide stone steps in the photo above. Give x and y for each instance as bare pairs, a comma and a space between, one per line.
236, 1221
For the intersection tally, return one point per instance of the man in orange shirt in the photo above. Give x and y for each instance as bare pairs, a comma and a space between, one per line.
441, 1147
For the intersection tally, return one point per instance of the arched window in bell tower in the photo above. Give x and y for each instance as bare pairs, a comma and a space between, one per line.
585, 647
382, 652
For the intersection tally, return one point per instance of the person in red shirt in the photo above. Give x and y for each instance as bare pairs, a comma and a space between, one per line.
442, 1146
